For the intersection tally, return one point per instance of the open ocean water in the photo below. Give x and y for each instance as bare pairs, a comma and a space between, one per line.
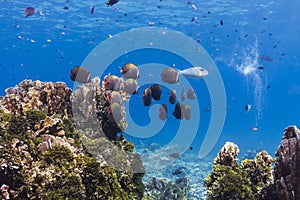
254, 45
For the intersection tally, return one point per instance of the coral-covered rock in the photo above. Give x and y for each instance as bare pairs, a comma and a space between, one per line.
286, 184
229, 180
53, 98
49, 126
91, 110
42, 155
228, 154
259, 170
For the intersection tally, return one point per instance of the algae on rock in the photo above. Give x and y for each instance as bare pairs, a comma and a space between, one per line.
42, 155
229, 180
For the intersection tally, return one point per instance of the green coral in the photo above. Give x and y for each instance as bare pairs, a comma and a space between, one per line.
46, 157
60, 173
107, 183
61, 164
18, 125
34, 117
259, 170
4, 117
229, 180
69, 128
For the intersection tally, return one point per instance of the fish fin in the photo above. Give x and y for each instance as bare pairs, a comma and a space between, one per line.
178, 71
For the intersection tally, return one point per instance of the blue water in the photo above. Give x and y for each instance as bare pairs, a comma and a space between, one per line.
48, 44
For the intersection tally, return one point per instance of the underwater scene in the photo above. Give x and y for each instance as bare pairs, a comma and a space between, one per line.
146, 100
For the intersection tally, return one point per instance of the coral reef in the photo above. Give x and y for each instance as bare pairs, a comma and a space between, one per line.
91, 110
287, 169
259, 170
163, 189
229, 180
51, 98
43, 156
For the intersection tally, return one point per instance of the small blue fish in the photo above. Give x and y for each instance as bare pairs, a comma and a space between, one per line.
130, 70
92, 10
112, 82
169, 75
115, 97
191, 94
247, 107
179, 170
130, 86
187, 111
266, 58
115, 112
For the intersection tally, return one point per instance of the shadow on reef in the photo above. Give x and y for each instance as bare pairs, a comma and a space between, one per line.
256, 179
44, 156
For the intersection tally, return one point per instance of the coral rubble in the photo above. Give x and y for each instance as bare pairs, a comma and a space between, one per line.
164, 189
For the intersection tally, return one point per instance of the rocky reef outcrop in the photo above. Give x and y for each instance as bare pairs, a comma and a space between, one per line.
44, 155
230, 180
256, 179
286, 184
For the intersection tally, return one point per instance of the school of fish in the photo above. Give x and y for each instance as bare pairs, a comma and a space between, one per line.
128, 83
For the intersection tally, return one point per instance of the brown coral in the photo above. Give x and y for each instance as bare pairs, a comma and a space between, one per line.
91, 106
228, 154
53, 98
287, 169
287, 165
49, 125
50, 141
